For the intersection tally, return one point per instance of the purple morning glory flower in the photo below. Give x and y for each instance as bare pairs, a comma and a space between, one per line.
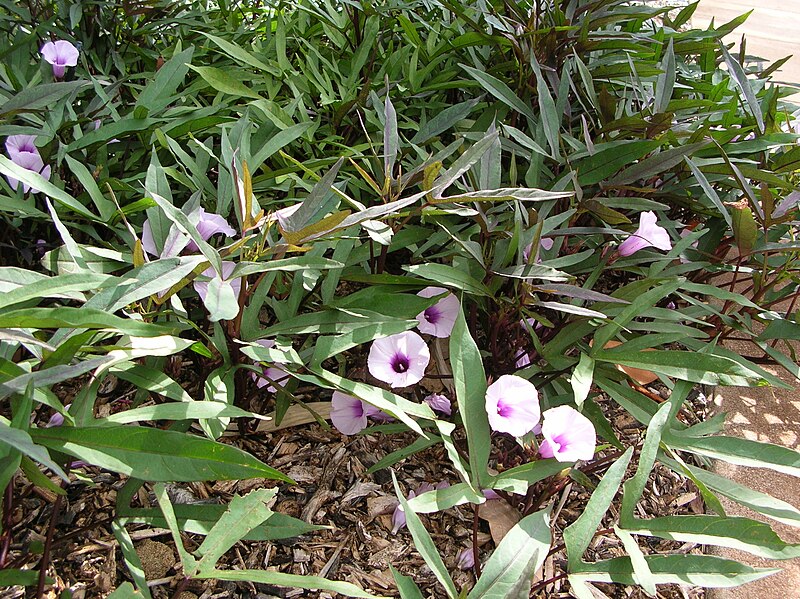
438, 320
60, 54
399, 360
270, 375
569, 436
22, 151
648, 234
512, 405
349, 414
57, 419
466, 559
399, 516
439, 403
207, 224
522, 359
545, 243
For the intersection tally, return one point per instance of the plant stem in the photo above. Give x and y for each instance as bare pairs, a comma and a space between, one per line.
539, 586
475, 541
8, 501
48, 543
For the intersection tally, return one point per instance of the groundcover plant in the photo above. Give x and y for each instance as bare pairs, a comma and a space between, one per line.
216, 211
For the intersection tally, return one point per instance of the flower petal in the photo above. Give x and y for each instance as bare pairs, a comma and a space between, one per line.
66, 53
347, 413
399, 360
568, 435
512, 405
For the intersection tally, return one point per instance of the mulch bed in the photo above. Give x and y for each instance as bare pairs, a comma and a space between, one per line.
333, 490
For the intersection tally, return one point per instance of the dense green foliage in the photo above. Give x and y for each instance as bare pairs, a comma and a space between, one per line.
427, 142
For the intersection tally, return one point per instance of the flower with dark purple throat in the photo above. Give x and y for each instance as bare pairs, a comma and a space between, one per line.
399, 360
512, 405
349, 414
60, 54
23, 152
438, 320
569, 436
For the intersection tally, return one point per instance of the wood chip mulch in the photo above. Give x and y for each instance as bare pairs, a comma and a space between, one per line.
333, 490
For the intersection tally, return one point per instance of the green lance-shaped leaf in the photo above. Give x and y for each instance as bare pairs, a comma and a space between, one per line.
641, 571
547, 108
741, 452
200, 519
155, 454
581, 380
224, 82
740, 77
391, 139
243, 515
296, 581
424, 544
391, 459
450, 276
710, 192
700, 570
508, 573
157, 95
459, 464
131, 558
405, 585
443, 121
50, 376
634, 487
745, 227
39, 97
500, 91
57, 286
188, 561
656, 164
725, 531
35, 180
105, 207
755, 500
609, 158
685, 365
638, 305
240, 54
469, 380
21, 441
149, 279
126, 591
151, 379
79, 318
191, 410
666, 80
519, 479
309, 208
579, 534
462, 164
443, 499
13, 577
